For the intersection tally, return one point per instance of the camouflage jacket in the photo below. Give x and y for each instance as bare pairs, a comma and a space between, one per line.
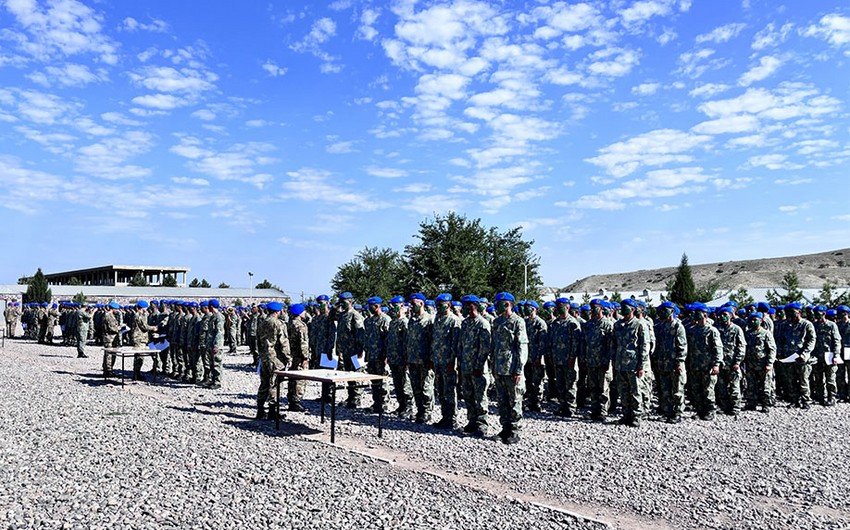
705, 348
598, 338
215, 337
509, 347
671, 346
419, 335
474, 342
828, 339
631, 345
273, 341
761, 349
396, 339
444, 341
734, 344
797, 339
349, 334
375, 330
564, 338
299, 346
537, 331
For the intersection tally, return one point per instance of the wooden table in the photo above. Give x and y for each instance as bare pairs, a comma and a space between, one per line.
332, 379
125, 352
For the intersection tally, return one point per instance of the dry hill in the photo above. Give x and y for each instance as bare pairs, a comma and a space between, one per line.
812, 270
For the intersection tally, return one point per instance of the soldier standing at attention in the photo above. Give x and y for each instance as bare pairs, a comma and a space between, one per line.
843, 372
474, 352
139, 338
828, 341
445, 330
631, 349
564, 336
705, 350
83, 321
418, 349
111, 327
349, 343
509, 353
538, 346
598, 334
734, 348
670, 355
759, 359
216, 344
251, 333
273, 346
299, 348
397, 358
796, 336
376, 326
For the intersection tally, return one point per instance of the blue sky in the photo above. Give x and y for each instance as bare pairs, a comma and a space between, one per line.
282, 137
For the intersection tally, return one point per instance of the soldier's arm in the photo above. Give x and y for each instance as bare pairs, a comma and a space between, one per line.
770, 349
809, 339
740, 347
717, 343
680, 343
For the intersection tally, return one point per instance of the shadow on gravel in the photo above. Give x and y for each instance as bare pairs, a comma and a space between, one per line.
96, 378
287, 428
215, 409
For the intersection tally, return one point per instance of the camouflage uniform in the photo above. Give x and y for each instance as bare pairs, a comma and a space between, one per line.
83, 320
758, 361
538, 346
474, 351
191, 330
202, 359
823, 378
445, 329
111, 328
598, 337
729, 380
509, 353
349, 342
273, 349
670, 355
631, 349
564, 341
251, 335
648, 379
418, 349
397, 359
797, 338
299, 348
375, 343
215, 346
843, 372
705, 352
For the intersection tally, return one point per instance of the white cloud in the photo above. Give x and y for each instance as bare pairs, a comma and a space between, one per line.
204, 114
643, 10
338, 148
695, 63
722, 33
772, 162
256, 123
75, 75
728, 125
708, 90
612, 62
662, 183
419, 187
809, 147
321, 31
155, 25
386, 172
655, 148
160, 101
108, 158
190, 81
316, 185
273, 69
431, 204
646, 89
767, 66
239, 162
770, 36
192, 181
793, 182
368, 18
834, 28
789, 100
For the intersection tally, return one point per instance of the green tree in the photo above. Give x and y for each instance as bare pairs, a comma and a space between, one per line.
616, 297
682, 290
708, 291
37, 290
80, 298
238, 302
74, 281
194, 283
829, 296
372, 272
138, 280
585, 299
791, 284
169, 281
223, 285
265, 284
205, 284
742, 297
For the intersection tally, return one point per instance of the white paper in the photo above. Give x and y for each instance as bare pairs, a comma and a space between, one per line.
356, 362
790, 359
829, 357
326, 361
847, 353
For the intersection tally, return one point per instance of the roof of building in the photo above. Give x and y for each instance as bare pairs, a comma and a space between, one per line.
104, 291
118, 267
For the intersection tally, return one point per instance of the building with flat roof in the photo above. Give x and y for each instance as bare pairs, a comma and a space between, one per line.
118, 275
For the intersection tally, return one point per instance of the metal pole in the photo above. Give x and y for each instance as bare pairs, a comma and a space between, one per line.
251, 285
526, 279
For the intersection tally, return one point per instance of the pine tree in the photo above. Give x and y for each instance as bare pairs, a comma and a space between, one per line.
683, 291
38, 291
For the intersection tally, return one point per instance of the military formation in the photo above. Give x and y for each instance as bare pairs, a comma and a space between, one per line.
604, 357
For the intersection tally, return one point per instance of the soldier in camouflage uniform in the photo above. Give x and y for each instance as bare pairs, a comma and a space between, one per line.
843, 371
705, 351
631, 348
251, 333
598, 335
670, 356
796, 336
191, 329
349, 342
564, 343
111, 328
827, 341
202, 334
397, 358
509, 352
376, 327
474, 351
215, 344
547, 313
758, 361
418, 350
273, 346
139, 336
83, 317
734, 347
444, 344
537, 331
299, 348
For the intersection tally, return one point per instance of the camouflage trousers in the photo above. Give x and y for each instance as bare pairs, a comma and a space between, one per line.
534, 372
630, 387
445, 389
581, 382
551, 392
647, 392
380, 389
823, 381
565, 379
800, 390
355, 391
295, 389
784, 373
599, 388
703, 384
509, 401
422, 384
671, 391
401, 384
267, 392
842, 376
216, 363
475, 398
198, 362
82, 337
760, 385
728, 390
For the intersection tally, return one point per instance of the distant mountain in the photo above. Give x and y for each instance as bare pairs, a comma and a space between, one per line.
812, 270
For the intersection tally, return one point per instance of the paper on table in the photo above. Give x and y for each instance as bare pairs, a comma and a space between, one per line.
356, 362
326, 361
790, 359
847, 353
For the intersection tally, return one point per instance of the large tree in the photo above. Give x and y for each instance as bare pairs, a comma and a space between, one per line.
37, 290
791, 285
371, 272
138, 280
682, 290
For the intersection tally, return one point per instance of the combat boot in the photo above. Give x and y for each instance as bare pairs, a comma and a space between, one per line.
447, 422
511, 438
274, 412
295, 406
261, 412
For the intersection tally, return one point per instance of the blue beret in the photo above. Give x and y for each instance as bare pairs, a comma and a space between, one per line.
483, 300
794, 305
322, 298
724, 309
55, 306
742, 312
533, 304
456, 303
613, 304
585, 307
444, 297
757, 314
503, 296
562, 301
429, 303
204, 303
549, 304
274, 306
263, 306
772, 311
699, 306
114, 305
376, 300
346, 296
297, 309
397, 300
470, 298
154, 302
214, 303
642, 304
142, 304
520, 303
821, 308
830, 312
491, 309
843, 308
417, 296
732, 303
574, 305
630, 302
763, 306
667, 304
596, 301
358, 307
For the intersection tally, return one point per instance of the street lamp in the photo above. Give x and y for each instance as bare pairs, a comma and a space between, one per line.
251, 285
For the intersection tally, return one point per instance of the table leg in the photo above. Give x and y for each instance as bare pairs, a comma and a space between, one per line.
122, 370
381, 421
322, 399
277, 418
333, 412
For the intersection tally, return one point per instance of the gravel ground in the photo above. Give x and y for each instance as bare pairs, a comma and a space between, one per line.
78, 452
83, 453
